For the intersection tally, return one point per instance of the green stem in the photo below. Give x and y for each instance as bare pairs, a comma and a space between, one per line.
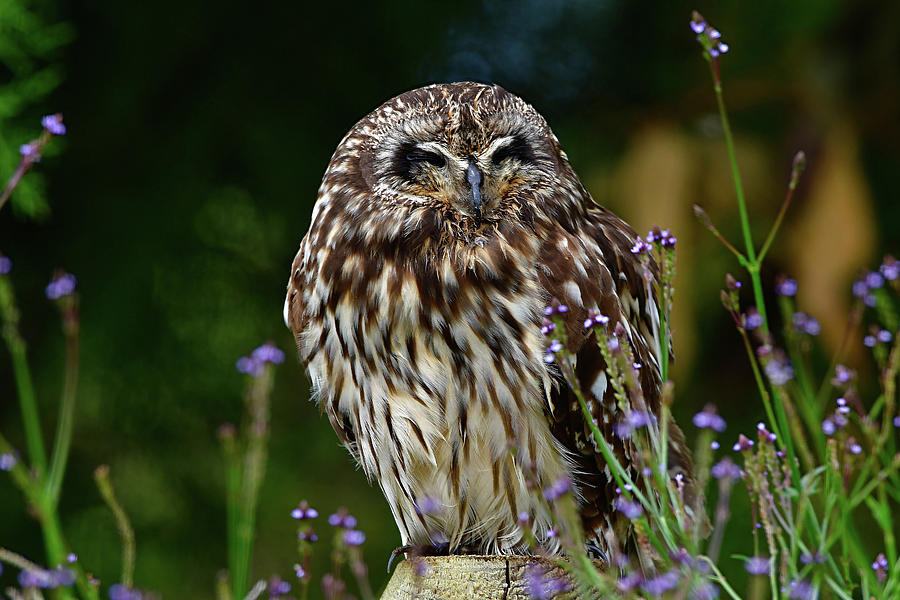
63, 440
101, 476
34, 439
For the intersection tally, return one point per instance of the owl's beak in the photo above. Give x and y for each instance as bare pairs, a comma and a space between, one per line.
473, 176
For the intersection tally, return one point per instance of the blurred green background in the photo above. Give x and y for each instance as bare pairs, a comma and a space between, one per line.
199, 131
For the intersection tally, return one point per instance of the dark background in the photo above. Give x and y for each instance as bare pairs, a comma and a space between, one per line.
199, 131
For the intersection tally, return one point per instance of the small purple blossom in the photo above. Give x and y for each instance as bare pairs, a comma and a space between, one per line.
299, 571
61, 286
744, 443
800, 590
785, 286
843, 375
555, 308
5, 265
304, 511
859, 288
307, 535
342, 519
71, 557
714, 445
705, 590
547, 326
118, 591
641, 247
64, 576
869, 341
757, 565
708, 419
255, 363
880, 566
540, 586
809, 559
779, 370
29, 150
853, 446
595, 318
661, 584
874, 280
726, 469
884, 336
555, 346
8, 460
37, 579
557, 489
278, 587
54, 124
890, 268
632, 510
354, 537
698, 27
803, 323
897, 421
828, 426
630, 581
752, 320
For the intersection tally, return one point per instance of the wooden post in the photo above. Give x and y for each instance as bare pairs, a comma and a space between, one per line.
469, 577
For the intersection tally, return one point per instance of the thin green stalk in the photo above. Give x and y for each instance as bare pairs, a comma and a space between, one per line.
253, 470
232, 497
101, 476
63, 440
34, 439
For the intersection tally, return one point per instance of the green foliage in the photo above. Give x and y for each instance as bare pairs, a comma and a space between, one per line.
30, 50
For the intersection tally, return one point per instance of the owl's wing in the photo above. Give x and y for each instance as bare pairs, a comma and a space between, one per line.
593, 268
310, 331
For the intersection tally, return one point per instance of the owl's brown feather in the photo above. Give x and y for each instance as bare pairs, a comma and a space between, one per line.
447, 219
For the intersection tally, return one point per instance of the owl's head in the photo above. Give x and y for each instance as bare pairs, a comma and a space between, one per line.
462, 158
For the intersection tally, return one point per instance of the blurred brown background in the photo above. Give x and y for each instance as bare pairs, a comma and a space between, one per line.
199, 131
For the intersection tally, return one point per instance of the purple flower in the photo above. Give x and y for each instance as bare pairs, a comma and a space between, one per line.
547, 325
268, 353
705, 591
630, 581
354, 537
29, 150
5, 265
800, 590
708, 419
698, 27
540, 586
64, 576
859, 288
897, 421
828, 426
342, 519
853, 447
752, 319
641, 247
714, 445
8, 460
809, 559
249, 366
726, 469
764, 433
308, 535
61, 286
660, 585
549, 358
785, 286
874, 280
278, 587
869, 341
880, 566
890, 268
779, 370
71, 557
632, 510
803, 323
37, 579
842, 375
884, 336
54, 124
299, 571
304, 511
744, 443
757, 565
118, 591
557, 489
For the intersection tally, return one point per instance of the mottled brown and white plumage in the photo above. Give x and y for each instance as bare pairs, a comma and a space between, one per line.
447, 220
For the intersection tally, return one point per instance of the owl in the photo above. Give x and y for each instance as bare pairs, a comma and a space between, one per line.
446, 222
